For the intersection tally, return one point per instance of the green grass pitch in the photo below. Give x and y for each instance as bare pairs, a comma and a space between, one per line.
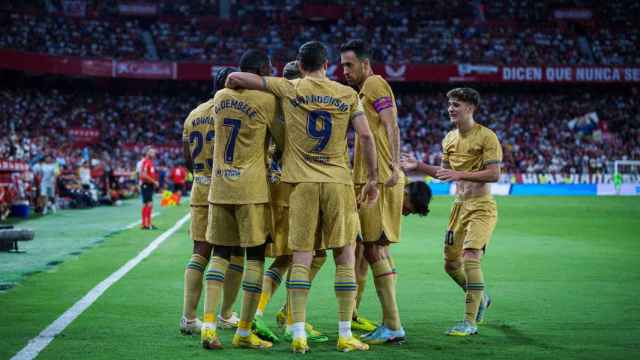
562, 272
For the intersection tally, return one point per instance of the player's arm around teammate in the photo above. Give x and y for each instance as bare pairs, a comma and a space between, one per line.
323, 193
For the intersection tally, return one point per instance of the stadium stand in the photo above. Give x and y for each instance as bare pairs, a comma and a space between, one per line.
496, 34
575, 129
537, 132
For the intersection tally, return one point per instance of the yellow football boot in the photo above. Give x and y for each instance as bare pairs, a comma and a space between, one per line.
250, 342
300, 345
209, 338
347, 344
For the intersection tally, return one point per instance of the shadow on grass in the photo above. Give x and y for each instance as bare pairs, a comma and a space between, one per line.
517, 337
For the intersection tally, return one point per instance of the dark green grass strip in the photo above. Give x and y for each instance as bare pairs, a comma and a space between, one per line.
38, 300
561, 272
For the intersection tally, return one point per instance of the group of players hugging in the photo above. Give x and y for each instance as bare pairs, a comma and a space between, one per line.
273, 178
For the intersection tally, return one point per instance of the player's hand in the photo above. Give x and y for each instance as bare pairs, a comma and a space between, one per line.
394, 178
369, 194
448, 175
408, 162
229, 83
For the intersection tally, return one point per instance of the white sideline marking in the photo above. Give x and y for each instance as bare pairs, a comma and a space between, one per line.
37, 344
134, 224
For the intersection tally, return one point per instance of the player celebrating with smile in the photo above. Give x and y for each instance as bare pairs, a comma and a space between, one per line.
471, 156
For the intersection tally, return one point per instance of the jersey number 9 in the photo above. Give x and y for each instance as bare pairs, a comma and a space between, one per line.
319, 128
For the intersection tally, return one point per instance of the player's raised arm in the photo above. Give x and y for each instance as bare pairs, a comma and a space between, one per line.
369, 191
245, 80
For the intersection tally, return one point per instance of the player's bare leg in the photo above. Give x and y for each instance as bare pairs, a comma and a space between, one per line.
319, 258
345, 288
189, 324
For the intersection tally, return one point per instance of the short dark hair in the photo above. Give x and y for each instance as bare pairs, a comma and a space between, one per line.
465, 94
312, 55
253, 60
420, 195
291, 71
220, 78
358, 47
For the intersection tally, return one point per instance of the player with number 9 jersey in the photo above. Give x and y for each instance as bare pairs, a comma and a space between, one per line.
318, 113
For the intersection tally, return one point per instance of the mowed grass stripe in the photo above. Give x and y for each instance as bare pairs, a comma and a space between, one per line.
63, 235
40, 342
40, 299
559, 270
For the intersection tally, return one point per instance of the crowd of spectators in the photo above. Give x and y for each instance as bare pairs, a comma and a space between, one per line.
59, 35
536, 130
37, 125
443, 32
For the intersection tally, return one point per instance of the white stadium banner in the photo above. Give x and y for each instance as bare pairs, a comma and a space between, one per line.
500, 189
625, 189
